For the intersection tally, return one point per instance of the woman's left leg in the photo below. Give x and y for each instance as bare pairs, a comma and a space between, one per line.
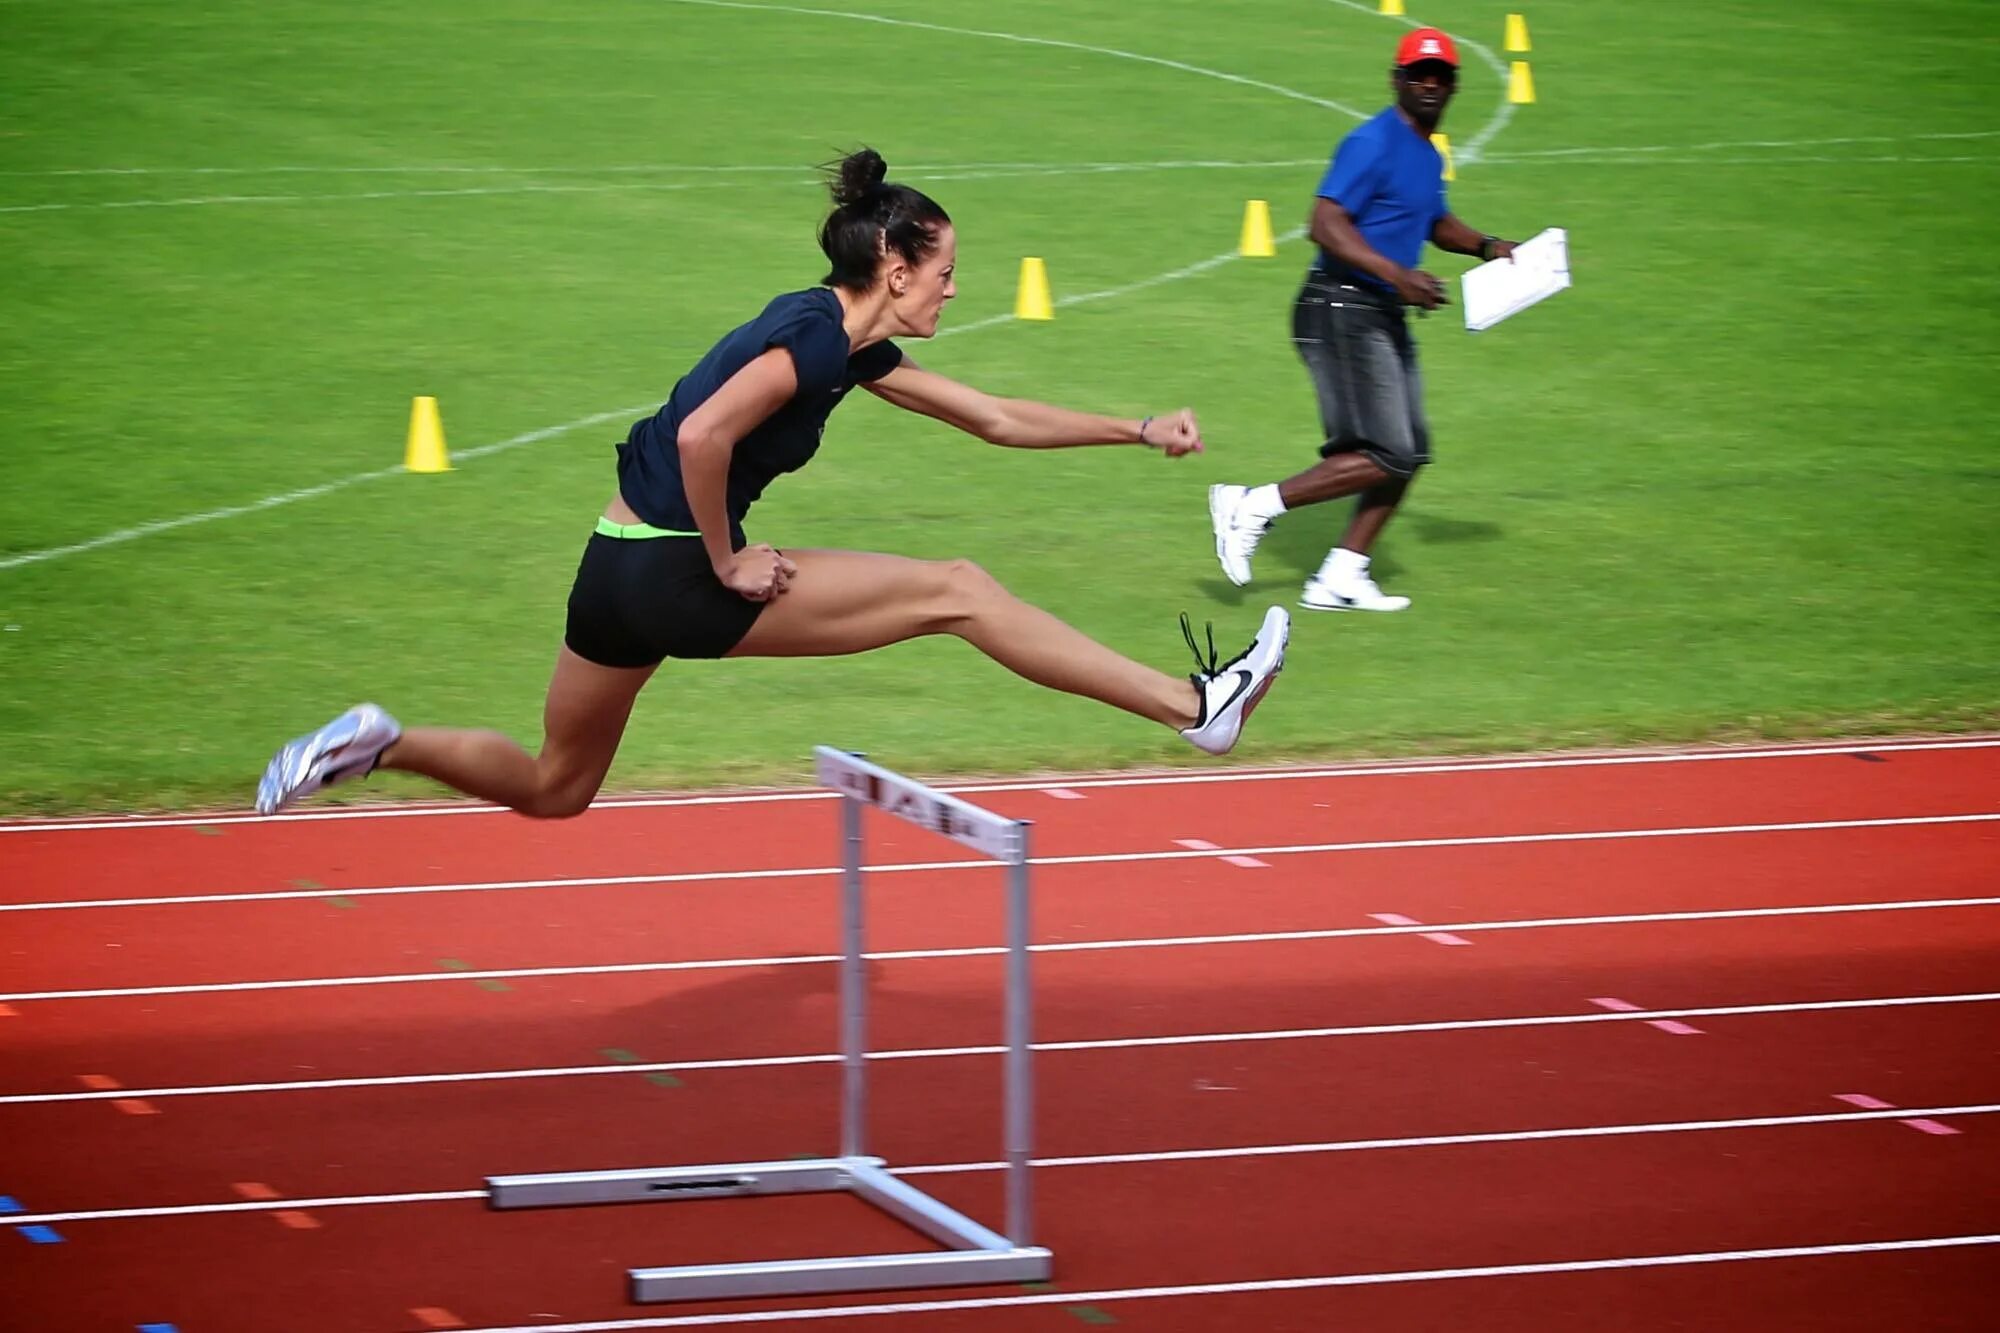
851, 601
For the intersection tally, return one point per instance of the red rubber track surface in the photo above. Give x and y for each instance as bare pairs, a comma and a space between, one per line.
198, 1014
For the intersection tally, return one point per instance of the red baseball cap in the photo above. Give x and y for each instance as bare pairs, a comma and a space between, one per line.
1425, 44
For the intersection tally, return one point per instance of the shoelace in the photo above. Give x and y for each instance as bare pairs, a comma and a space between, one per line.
1207, 666
1203, 666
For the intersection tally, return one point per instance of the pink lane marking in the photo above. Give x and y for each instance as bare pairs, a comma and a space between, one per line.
1065, 794
1922, 1124
1434, 936
1202, 845
1675, 1026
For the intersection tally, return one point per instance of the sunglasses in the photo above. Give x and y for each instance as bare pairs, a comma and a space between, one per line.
1429, 71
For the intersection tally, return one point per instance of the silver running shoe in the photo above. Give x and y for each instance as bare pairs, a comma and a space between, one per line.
1230, 691
344, 748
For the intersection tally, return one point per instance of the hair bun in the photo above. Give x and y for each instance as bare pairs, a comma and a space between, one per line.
860, 172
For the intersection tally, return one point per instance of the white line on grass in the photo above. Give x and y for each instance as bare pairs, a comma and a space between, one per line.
310, 492
1071, 783
671, 168
1878, 160
992, 951
953, 174
1607, 149
1024, 40
954, 1052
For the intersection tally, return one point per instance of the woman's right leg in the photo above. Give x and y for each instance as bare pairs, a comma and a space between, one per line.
851, 601
582, 723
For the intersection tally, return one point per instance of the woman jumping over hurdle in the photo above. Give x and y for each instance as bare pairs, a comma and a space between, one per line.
669, 572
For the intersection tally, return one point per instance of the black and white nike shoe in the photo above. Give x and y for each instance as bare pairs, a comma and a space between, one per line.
1230, 691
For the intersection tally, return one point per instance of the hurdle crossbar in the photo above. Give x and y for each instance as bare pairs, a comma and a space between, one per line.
974, 1254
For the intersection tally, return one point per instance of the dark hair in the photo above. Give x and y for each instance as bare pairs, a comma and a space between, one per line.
871, 217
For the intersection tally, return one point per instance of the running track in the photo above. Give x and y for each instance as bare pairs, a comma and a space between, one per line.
1620, 1042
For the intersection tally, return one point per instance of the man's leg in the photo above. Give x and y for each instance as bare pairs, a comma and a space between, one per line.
1400, 445
1349, 353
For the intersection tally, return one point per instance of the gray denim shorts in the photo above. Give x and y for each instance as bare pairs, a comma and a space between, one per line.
1357, 347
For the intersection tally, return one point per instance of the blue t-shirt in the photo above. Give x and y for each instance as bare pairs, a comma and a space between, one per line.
807, 324
1390, 179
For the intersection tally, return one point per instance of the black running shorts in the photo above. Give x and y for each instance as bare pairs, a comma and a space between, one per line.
1357, 347
638, 600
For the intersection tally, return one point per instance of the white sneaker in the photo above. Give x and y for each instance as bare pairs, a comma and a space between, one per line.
344, 748
1237, 531
1355, 592
1230, 692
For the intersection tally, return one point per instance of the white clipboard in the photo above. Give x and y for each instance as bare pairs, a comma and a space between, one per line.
1505, 287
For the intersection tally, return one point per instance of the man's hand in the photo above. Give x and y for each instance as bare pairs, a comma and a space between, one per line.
1420, 289
1500, 249
757, 573
1174, 434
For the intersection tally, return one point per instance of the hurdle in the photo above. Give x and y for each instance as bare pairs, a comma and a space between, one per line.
974, 1254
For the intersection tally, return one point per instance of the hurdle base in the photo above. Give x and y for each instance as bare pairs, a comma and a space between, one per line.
975, 1255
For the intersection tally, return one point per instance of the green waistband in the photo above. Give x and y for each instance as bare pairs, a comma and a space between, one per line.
637, 530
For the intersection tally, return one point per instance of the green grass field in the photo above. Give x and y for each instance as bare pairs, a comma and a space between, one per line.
1740, 481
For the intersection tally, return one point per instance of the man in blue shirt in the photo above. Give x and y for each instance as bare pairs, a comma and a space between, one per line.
1381, 199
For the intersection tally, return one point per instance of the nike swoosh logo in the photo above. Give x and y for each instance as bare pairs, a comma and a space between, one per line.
1243, 679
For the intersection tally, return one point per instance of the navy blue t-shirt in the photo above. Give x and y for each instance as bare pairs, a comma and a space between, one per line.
808, 325
1390, 179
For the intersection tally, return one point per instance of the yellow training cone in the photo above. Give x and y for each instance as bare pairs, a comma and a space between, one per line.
1443, 145
1392, 7
425, 450
1520, 84
1032, 302
1256, 242
1517, 35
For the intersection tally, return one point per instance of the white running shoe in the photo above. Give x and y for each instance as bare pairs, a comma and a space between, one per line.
1237, 531
1230, 692
344, 748
1355, 592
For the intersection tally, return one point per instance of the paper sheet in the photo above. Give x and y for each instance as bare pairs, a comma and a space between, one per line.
1504, 287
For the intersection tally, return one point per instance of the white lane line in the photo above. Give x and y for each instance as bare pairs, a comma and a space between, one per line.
989, 951
1092, 858
1236, 1153
1204, 845
1677, 1028
1246, 1288
1045, 1047
1922, 1124
1366, 769
1434, 936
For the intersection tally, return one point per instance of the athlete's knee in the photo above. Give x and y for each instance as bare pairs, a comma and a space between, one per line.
559, 800
965, 590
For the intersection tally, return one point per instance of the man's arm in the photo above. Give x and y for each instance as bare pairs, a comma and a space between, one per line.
1453, 235
1334, 231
